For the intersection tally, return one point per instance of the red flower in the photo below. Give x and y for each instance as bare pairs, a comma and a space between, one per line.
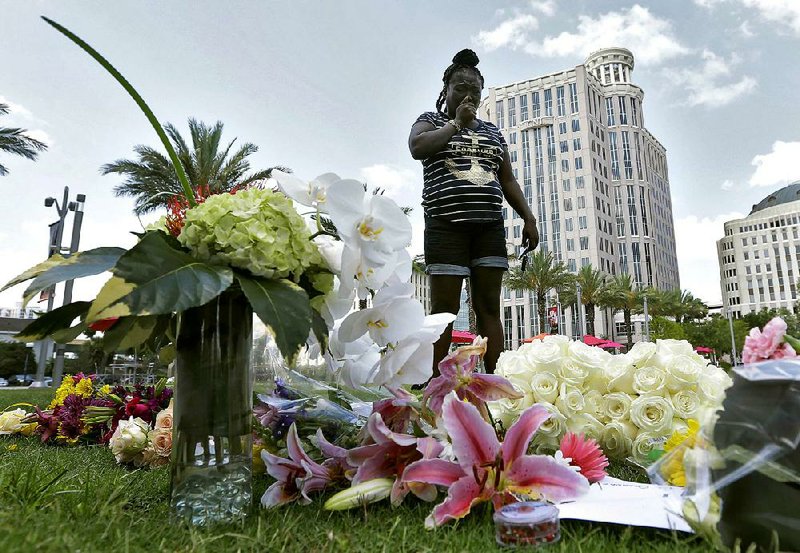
585, 454
103, 324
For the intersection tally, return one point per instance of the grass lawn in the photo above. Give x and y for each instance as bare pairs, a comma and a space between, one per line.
78, 499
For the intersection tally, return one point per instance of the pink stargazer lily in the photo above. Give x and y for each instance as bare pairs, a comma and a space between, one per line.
457, 372
335, 458
488, 470
398, 411
389, 456
296, 477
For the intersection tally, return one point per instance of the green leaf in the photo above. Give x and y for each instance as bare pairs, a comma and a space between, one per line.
792, 341
55, 320
320, 328
166, 355
152, 278
69, 334
128, 332
284, 307
187, 189
78, 265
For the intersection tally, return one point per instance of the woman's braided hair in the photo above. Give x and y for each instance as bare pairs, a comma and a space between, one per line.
465, 59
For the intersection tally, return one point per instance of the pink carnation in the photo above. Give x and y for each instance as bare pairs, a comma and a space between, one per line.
585, 454
768, 343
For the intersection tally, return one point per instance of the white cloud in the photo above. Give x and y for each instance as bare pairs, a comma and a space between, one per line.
745, 30
650, 39
726, 185
710, 84
511, 33
16, 109
404, 186
779, 167
784, 12
545, 7
696, 245
708, 3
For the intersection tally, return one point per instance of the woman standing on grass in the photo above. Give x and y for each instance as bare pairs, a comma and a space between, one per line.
467, 173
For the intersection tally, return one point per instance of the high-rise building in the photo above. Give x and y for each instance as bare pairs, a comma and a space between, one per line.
596, 180
759, 255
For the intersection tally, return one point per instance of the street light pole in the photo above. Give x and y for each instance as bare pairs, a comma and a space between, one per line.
646, 321
77, 207
54, 246
581, 313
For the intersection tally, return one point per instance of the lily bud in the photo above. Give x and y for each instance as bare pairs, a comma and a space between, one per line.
360, 494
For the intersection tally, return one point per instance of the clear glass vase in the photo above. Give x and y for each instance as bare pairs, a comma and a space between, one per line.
212, 440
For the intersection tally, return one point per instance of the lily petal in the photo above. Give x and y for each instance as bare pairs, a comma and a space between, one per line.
491, 387
328, 449
433, 471
461, 496
544, 475
436, 390
276, 495
474, 440
381, 433
279, 468
519, 435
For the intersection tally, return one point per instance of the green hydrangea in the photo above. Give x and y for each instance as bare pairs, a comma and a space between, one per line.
256, 230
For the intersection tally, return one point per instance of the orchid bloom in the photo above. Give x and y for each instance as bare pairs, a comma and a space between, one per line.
388, 457
488, 470
312, 194
457, 372
296, 477
394, 315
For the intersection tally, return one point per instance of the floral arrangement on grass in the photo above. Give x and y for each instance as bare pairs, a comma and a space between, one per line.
630, 403
141, 443
444, 440
85, 412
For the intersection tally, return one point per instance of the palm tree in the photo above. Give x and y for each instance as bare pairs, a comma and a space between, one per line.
14, 141
152, 181
620, 295
592, 281
542, 274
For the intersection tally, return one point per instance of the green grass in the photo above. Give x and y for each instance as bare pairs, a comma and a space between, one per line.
77, 499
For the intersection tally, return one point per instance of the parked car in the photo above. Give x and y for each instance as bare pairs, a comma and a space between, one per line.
3, 382
22, 379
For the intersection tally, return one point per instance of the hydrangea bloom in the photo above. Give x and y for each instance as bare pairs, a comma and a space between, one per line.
257, 230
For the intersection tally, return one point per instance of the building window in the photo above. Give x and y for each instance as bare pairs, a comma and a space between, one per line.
536, 111
619, 211
576, 125
560, 101
508, 328
610, 112
578, 163
565, 165
579, 182
623, 258
637, 263
499, 109
638, 156
571, 266
623, 113
626, 155
643, 212
573, 97
548, 101
512, 138
513, 156
565, 185
632, 211
568, 225
564, 146
512, 112
523, 107
581, 202
567, 204
634, 114
582, 222
576, 144
584, 242
612, 146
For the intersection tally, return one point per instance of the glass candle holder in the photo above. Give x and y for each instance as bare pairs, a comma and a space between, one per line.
527, 523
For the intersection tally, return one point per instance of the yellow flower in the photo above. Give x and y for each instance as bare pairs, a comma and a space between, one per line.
66, 388
675, 449
85, 387
12, 447
258, 463
687, 438
106, 389
28, 429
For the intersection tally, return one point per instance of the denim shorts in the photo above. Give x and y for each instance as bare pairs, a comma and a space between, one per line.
454, 248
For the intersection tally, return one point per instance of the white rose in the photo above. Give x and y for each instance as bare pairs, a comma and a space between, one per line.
620, 375
586, 424
560, 340
164, 419
617, 405
544, 386
640, 354
572, 373
544, 356
648, 380
678, 425
667, 349
652, 413
515, 368
542, 445
589, 357
508, 410
129, 439
553, 428
644, 443
11, 421
710, 391
570, 400
683, 372
686, 404
593, 405
617, 439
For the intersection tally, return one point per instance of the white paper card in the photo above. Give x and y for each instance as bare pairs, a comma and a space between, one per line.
631, 503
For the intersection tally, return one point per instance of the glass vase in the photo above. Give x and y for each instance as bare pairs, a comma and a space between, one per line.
211, 478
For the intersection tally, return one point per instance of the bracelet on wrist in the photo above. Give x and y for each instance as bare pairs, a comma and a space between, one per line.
456, 125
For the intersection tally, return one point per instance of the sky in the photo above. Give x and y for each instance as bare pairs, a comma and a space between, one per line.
335, 86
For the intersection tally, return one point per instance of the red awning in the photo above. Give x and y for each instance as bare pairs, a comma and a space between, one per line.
590, 340
703, 349
610, 344
462, 337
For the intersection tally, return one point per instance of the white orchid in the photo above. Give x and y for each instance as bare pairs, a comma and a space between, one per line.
311, 194
394, 315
